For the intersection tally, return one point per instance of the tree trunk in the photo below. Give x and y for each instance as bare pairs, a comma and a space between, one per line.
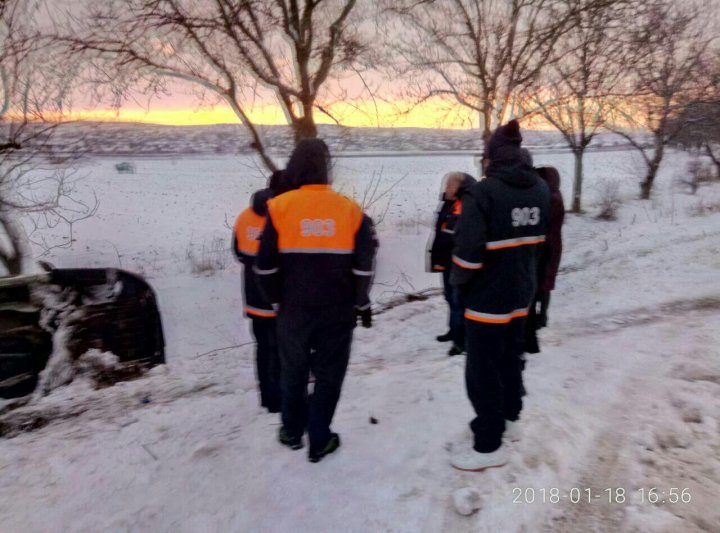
11, 259
715, 159
577, 184
486, 119
647, 185
305, 128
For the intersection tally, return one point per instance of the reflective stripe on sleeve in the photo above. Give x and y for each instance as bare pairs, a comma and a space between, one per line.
491, 318
451, 232
362, 272
336, 251
263, 313
267, 272
466, 264
512, 243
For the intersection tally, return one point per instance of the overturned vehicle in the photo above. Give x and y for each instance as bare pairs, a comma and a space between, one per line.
68, 313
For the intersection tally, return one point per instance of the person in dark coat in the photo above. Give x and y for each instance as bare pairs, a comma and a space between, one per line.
497, 245
315, 263
245, 243
549, 263
456, 184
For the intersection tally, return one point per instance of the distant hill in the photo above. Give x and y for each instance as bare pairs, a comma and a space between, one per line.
118, 138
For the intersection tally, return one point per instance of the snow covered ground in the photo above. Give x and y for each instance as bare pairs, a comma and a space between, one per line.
626, 394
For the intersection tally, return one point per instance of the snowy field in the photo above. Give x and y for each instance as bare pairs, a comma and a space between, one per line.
625, 395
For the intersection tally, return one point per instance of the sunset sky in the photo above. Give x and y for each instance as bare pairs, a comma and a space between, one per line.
182, 111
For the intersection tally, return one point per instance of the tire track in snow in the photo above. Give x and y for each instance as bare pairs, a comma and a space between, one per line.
609, 322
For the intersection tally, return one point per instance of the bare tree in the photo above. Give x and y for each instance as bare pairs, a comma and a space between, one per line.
32, 195
701, 131
238, 50
672, 43
701, 118
478, 54
576, 92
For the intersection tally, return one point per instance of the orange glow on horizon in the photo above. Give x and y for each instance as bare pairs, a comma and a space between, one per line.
363, 114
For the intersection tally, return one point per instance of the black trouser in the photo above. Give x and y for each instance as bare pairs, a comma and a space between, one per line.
457, 310
267, 361
313, 339
532, 345
493, 376
537, 319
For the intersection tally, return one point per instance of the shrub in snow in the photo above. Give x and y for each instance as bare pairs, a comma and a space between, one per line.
210, 258
467, 500
702, 208
609, 199
696, 175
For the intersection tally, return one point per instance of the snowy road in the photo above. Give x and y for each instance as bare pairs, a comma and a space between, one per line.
632, 408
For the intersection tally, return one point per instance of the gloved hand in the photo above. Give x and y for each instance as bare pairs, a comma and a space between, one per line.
543, 299
365, 316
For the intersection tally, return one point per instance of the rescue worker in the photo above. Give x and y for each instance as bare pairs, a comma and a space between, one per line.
549, 263
245, 243
316, 265
456, 183
497, 243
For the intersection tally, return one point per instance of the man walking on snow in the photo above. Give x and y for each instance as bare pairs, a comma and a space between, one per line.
497, 243
245, 244
315, 264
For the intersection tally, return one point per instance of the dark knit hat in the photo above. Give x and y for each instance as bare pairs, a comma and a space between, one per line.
507, 135
309, 164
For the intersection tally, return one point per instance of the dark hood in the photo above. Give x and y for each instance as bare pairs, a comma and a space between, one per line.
276, 182
504, 136
510, 167
259, 201
551, 177
468, 181
309, 164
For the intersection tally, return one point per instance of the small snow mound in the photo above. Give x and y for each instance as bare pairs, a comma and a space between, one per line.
94, 361
205, 450
59, 370
467, 500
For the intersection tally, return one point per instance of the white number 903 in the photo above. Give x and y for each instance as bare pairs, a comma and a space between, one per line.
317, 227
525, 216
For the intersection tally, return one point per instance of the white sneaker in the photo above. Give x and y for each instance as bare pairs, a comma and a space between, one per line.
472, 461
512, 431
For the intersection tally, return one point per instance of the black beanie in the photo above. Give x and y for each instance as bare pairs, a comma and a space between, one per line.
507, 135
309, 164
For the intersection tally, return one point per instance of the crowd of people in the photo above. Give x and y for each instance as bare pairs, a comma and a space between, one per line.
309, 252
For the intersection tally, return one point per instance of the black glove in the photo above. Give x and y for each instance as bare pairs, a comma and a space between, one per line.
365, 316
543, 298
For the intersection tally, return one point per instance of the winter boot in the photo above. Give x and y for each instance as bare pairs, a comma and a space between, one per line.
446, 337
456, 350
472, 461
332, 444
512, 430
294, 443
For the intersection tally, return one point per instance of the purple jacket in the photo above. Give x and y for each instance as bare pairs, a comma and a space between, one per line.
550, 262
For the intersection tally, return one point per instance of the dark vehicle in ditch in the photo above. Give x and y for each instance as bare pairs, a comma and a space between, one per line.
110, 310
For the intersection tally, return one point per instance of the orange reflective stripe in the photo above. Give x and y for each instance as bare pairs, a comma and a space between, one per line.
262, 313
513, 243
457, 207
248, 228
315, 219
492, 318
466, 264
